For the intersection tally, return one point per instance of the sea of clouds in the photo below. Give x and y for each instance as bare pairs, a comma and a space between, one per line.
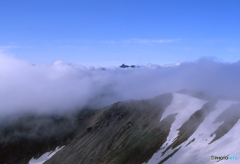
61, 86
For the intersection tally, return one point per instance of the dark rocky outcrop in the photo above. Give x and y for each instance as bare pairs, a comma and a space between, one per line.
127, 66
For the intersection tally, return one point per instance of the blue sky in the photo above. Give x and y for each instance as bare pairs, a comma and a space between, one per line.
112, 32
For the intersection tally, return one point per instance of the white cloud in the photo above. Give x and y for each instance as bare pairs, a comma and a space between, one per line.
146, 41
9, 47
141, 41
63, 86
108, 41
6, 48
75, 47
215, 40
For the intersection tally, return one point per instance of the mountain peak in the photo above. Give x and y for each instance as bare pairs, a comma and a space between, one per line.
127, 66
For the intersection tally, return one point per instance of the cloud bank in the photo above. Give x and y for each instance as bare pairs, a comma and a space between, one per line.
61, 87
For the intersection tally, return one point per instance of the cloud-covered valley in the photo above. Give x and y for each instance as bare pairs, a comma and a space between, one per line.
62, 86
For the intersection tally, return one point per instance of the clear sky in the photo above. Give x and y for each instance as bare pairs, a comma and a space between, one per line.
112, 32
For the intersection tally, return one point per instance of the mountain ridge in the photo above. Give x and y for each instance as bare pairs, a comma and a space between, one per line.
157, 130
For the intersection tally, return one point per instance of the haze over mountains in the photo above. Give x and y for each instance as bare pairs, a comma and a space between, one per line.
116, 115
181, 127
64, 86
119, 82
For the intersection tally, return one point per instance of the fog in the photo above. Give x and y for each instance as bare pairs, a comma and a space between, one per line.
62, 87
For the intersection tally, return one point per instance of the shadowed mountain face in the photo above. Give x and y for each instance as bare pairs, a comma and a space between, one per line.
125, 132
169, 128
31, 136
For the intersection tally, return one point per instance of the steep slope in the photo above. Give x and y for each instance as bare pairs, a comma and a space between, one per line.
175, 128
204, 134
125, 132
45, 156
31, 136
183, 127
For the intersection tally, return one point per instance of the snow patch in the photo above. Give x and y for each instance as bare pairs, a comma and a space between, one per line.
45, 156
199, 151
184, 106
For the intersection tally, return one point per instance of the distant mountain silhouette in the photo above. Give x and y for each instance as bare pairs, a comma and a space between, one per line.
127, 66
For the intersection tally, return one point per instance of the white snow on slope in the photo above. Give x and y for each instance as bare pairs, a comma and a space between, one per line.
44, 157
184, 106
199, 151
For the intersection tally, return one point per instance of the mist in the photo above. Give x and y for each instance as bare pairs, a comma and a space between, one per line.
62, 87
